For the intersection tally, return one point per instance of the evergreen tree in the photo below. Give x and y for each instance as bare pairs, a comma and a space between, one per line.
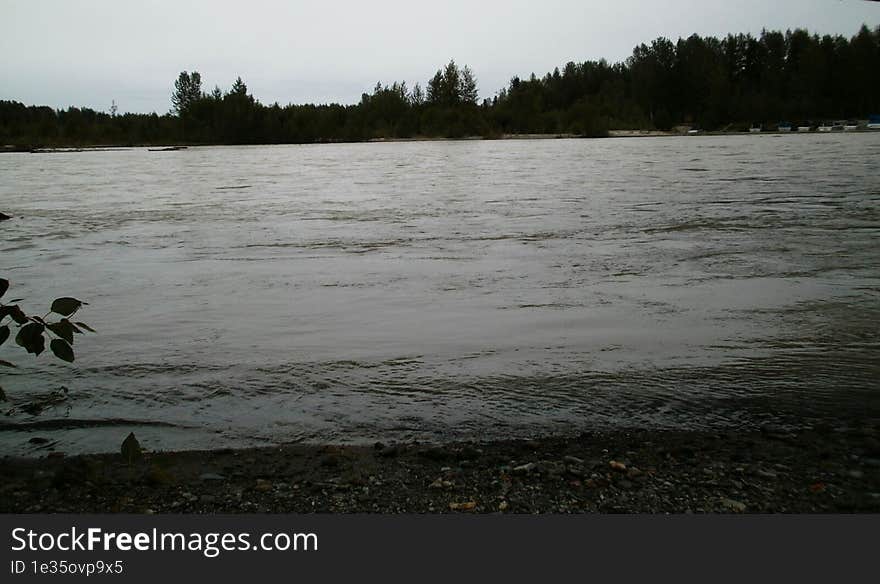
187, 90
435, 88
468, 85
238, 88
451, 87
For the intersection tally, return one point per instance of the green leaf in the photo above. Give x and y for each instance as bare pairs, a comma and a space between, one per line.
4, 286
65, 306
6, 363
18, 315
30, 336
13, 311
73, 327
62, 350
4, 334
85, 326
63, 329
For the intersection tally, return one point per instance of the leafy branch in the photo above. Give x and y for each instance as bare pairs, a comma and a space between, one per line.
33, 331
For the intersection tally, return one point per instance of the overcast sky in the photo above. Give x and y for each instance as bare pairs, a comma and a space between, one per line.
67, 52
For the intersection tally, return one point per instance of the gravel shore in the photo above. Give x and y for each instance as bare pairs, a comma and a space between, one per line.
775, 470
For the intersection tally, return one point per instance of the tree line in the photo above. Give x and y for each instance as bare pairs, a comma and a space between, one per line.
712, 83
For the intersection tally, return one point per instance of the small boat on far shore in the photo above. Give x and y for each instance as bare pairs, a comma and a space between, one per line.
168, 149
873, 122
784, 127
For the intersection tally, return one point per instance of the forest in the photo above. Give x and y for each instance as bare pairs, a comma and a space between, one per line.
710, 83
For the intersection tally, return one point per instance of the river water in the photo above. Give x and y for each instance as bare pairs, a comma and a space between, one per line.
444, 290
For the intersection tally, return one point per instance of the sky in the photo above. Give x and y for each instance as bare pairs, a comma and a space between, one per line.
88, 53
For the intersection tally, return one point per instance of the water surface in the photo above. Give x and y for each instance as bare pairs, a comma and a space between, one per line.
442, 290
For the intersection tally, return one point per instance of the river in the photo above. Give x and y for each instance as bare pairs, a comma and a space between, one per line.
444, 290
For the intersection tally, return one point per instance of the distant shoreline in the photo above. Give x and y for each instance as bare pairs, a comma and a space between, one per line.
557, 136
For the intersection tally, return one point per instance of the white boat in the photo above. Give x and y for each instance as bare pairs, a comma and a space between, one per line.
784, 127
873, 122
825, 127
804, 128
755, 129
850, 126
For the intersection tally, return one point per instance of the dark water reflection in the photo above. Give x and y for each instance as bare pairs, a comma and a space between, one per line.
448, 289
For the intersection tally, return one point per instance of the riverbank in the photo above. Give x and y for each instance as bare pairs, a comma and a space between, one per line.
163, 146
558, 136
776, 470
